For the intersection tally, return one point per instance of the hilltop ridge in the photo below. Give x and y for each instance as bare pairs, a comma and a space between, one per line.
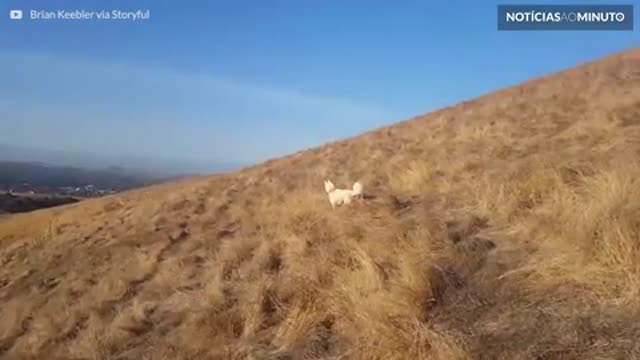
505, 226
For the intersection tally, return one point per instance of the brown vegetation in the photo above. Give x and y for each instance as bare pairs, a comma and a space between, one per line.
506, 227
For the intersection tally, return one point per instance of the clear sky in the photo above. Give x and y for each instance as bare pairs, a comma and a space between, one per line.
242, 81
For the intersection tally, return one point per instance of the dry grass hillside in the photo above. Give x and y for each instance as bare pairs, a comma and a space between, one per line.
506, 227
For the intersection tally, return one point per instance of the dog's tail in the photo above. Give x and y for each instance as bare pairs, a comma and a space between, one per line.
328, 186
357, 189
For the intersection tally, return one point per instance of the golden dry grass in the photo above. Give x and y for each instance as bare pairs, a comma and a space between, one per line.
506, 227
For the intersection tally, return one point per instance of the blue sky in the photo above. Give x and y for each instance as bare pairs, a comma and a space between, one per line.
242, 81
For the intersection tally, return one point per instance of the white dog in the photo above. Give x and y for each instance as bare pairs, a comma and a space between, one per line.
342, 196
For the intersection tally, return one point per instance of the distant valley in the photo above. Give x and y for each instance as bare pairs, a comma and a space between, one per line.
132, 164
17, 203
31, 179
27, 186
26, 177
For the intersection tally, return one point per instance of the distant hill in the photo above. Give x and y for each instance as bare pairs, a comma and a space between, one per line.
146, 167
17, 174
32, 185
10, 203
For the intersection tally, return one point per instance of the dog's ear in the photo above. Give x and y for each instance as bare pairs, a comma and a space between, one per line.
328, 186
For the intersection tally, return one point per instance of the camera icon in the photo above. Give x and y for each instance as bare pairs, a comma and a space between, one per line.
15, 14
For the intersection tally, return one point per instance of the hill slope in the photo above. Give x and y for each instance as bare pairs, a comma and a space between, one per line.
503, 227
